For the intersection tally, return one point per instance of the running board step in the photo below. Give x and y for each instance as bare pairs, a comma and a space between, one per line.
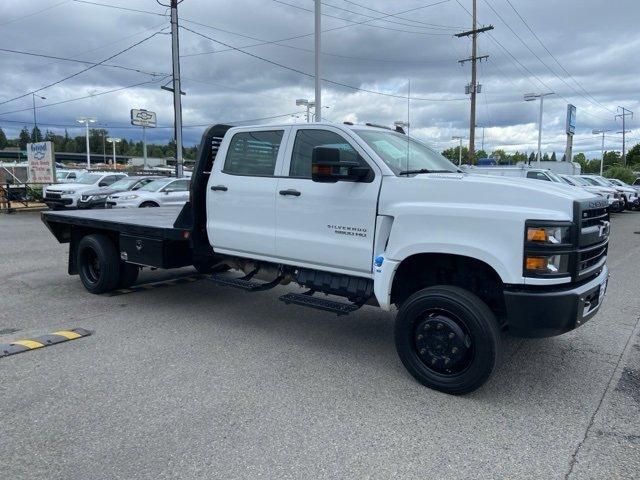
243, 283
306, 300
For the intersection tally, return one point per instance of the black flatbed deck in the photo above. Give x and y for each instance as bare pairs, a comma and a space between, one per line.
152, 222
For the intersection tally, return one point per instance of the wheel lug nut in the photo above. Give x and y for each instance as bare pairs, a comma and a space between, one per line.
420, 337
454, 349
423, 351
446, 361
439, 326
433, 361
427, 326
451, 335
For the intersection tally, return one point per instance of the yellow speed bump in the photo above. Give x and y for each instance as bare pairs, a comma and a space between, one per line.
19, 346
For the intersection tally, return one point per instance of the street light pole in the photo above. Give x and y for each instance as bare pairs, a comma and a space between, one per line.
528, 98
86, 121
177, 89
306, 103
598, 132
459, 149
318, 42
113, 141
35, 121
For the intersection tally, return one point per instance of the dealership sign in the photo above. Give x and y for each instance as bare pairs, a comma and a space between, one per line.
42, 168
571, 119
143, 118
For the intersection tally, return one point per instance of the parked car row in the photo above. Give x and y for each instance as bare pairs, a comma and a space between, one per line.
620, 196
116, 190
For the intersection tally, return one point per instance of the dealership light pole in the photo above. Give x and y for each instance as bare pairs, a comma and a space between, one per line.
529, 97
86, 121
305, 103
113, 141
318, 51
598, 132
35, 121
459, 148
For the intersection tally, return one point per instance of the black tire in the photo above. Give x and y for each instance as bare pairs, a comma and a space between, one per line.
128, 275
98, 263
448, 339
149, 205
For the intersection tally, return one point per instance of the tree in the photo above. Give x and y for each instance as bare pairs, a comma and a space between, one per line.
545, 157
36, 135
3, 140
481, 154
450, 153
633, 155
532, 158
24, 138
553, 157
519, 157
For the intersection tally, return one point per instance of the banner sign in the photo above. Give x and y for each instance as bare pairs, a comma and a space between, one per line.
143, 118
571, 119
42, 168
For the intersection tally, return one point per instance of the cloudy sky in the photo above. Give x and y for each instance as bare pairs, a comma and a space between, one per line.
250, 59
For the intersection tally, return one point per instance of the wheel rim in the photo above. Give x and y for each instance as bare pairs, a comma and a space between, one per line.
91, 265
442, 342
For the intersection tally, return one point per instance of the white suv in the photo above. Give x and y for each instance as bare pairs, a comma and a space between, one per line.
66, 195
166, 192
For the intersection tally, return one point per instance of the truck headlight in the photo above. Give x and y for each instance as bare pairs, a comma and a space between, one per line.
68, 192
547, 264
552, 235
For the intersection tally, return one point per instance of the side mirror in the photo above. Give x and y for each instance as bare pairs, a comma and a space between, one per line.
328, 165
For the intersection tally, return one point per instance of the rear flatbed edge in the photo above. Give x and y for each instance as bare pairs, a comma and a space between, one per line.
151, 222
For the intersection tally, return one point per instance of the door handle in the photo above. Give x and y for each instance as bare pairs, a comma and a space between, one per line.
291, 192
219, 188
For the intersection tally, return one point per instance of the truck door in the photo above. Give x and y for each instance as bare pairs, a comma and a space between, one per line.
241, 193
325, 224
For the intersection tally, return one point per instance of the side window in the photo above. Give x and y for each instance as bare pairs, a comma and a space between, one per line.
306, 141
253, 153
177, 186
141, 183
537, 176
106, 181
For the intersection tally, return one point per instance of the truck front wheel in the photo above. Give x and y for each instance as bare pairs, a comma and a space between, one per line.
448, 339
98, 263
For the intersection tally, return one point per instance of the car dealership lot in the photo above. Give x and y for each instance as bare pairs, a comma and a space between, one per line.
189, 381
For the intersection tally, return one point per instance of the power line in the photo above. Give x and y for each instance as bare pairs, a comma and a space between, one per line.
121, 8
306, 74
13, 20
75, 60
157, 80
363, 23
541, 60
553, 57
397, 15
309, 50
83, 70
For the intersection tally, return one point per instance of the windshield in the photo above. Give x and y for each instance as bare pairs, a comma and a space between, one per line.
617, 182
392, 148
61, 174
554, 177
567, 180
600, 181
155, 185
123, 184
580, 181
89, 178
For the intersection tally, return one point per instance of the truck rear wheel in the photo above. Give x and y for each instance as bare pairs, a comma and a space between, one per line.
98, 263
448, 339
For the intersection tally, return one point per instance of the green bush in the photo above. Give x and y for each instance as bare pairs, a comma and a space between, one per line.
621, 173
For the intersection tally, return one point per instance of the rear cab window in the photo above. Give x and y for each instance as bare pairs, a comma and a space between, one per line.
253, 153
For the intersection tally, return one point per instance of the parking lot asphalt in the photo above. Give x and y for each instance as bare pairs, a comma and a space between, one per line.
203, 381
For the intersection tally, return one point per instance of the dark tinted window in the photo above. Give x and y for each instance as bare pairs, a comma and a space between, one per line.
253, 153
306, 141
538, 176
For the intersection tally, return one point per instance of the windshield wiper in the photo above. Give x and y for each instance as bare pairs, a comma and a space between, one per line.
423, 170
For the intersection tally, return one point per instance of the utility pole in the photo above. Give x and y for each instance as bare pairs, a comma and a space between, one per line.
177, 91
625, 113
113, 141
598, 132
35, 121
318, 51
306, 103
473, 87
